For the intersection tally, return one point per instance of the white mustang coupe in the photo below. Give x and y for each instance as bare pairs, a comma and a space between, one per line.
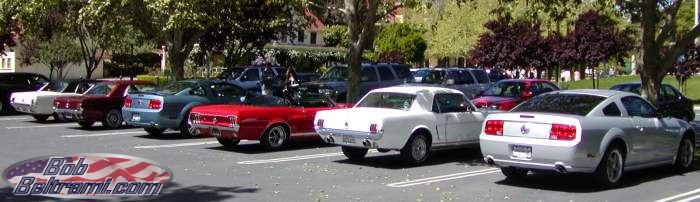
39, 103
410, 119
586, 131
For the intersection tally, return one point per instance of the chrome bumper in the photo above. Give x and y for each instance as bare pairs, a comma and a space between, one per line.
209, 128
70, 114
351, 138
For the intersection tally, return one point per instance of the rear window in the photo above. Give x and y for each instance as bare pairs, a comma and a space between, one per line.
402, 71
481, 76
175, 88
387, 100
428, 76
135, 88
101, 89
627, 88
574, 104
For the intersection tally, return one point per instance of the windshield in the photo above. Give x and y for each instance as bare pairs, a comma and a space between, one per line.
335, 74
101, 89
574, 104
174, 88
506, 89
428, 76
54, 87
388, 100
266, 100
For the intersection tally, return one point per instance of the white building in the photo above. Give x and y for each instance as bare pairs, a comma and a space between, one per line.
10, 63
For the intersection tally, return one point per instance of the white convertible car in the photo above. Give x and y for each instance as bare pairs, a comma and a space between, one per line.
413, 120
39, 103
586, 131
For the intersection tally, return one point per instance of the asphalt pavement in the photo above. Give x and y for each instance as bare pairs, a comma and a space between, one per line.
312, 171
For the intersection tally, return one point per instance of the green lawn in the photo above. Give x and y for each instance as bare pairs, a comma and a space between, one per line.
692, 91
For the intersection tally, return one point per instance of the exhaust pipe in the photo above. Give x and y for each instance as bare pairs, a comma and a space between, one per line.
489, 161
560, 167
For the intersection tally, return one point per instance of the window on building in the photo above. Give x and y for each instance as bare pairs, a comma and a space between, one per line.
300, 36
312, 38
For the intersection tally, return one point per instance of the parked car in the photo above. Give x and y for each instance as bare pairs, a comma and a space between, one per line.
18, 82
272, 120
167, 108
455, 78
334, 82
506, 94
497, 74
603, 132
481, 77
413, 120
103, 102
250, 77
303, 77
40, 103
670, 101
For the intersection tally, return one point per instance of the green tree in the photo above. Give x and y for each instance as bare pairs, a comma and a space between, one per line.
56, 53
336, 36
400, 42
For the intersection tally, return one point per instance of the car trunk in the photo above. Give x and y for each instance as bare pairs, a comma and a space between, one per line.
143, 100
359, 118
73, 102
532, 125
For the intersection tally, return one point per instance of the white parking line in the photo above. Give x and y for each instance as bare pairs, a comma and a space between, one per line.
177, 145
15, 118
42, 126
443, 178
682, 195
295, 158
105, 134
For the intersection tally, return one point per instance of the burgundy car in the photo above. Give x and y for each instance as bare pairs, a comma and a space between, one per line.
102, 102
506, 94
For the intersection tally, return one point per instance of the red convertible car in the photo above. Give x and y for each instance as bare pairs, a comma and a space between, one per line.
103, 102
505, 94
272, 120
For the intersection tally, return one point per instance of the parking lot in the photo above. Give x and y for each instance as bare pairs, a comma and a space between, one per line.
313, 171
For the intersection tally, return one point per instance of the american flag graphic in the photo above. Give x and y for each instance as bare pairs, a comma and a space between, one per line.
100, 167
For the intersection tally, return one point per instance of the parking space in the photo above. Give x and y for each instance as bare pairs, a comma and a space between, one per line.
310, 170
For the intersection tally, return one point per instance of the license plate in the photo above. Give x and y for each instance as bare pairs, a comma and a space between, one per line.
348, 139
215, 132
135, 117
522, 152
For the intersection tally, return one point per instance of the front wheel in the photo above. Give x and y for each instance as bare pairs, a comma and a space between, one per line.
417, 150
354, 153
40, 118
113, 119
275, 137
228, 142
685, 155
611, 167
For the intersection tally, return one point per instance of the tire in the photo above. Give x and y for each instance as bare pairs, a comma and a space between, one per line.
186, 130
154, 131
354, 153
41, 118
228, 142
514, 173
56, 117
275, 137
2, 107
685, 154
112, 119
416, 150
611, 168
86, 124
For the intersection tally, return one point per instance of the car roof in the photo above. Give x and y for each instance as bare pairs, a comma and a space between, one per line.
524, 80
410, 89
634, 83
598, 92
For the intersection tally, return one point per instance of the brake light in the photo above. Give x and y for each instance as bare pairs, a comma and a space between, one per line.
154, 104
373, 128
231, 121
319, 123
127, 102
562, 132
494, 127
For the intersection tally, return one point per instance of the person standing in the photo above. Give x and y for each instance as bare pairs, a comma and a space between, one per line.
268, 78
290, 82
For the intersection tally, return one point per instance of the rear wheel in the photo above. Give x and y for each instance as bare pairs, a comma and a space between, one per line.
40, 118
275, 137
611, 167
228, 142
685, 155
113, 119
154, 131
354, 153
186, 129
417, 150
513, 173
86, 124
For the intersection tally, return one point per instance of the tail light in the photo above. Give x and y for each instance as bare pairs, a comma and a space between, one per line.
373, 128
231, 121
194, 118
154, 104
562, 132
127, 102
494, 127
319, 123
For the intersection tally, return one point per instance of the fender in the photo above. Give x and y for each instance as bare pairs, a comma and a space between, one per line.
277, 121
186, 110
432, 132
612, 134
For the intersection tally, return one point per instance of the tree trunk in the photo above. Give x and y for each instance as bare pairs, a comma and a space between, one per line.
572, 73
354, 74
177, 64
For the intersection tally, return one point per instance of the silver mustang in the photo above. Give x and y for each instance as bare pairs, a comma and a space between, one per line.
587, 131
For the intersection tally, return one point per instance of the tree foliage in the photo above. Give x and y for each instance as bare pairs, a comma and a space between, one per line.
510, 44
336, 36
58, 52
400, 43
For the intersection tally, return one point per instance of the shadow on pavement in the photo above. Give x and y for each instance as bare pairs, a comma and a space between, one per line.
171, 192
98, 127
171, 136
393, 160
584, 183
256, 148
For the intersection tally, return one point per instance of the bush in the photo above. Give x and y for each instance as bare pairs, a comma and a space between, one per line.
159, 80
